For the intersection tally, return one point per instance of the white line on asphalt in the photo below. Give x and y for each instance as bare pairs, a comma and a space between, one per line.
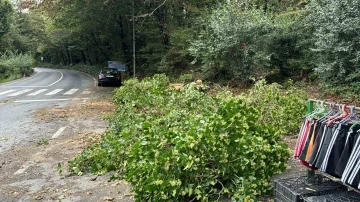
20, 92
45, 100
26, 86
22, 170
54, 92
86, 92
62, 75
72, 91
58, 133
37, 92
51, 100
95, 82
8, 91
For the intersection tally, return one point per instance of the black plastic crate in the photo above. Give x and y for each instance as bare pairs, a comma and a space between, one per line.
349, 196
296, 189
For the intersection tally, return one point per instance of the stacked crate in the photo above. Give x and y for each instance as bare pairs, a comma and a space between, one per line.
348, 196
298, 188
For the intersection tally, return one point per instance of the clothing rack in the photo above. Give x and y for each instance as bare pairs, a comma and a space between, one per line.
312, 101
310, 173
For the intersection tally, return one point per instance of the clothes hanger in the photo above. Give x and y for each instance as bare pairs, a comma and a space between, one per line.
342, 116
336, 113
354, 124
352, 116
323, 111
356, 117
319, 111
331, 112
314, 111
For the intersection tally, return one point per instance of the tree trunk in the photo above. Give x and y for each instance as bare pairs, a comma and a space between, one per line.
107, 57
125, 47
83, 57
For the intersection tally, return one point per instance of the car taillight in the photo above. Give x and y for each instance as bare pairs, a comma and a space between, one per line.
101, 76
118, 76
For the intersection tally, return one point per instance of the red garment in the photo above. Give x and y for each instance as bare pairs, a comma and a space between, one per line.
307, 165
304, 133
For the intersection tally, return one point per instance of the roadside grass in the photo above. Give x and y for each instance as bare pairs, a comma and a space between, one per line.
43, 141
11, 78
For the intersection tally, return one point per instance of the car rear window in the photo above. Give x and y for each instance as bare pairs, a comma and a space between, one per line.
109, 71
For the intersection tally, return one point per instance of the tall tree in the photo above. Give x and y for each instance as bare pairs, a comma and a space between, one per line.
99, 30
5, 16
336, 26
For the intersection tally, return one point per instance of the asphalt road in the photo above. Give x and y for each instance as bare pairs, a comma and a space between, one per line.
46, 120
46, 88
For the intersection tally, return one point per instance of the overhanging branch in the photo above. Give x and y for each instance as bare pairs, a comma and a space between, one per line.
149, 14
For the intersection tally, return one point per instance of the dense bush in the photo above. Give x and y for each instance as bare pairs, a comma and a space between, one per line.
283, 108
15, 65
336, 32
93, 70
231, 42
239, 41
180, 145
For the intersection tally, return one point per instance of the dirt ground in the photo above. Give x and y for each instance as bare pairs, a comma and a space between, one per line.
44, 176
37, 171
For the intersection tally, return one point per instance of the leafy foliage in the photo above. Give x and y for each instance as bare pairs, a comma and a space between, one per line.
239, 41
227, 45
283, 108
179, 145
15, 65
336, 37
97, 31
26, 33
5, 16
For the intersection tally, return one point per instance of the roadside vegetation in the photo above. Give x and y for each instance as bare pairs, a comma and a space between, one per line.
15, 65
186, 144
20, 34
183, 145
229, 42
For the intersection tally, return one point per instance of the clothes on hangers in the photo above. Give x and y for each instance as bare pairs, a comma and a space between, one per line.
345, 155
318, 143
332, 148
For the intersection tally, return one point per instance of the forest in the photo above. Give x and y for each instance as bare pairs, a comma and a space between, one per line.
233, 42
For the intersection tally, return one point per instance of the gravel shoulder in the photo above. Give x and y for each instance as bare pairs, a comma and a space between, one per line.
37, 171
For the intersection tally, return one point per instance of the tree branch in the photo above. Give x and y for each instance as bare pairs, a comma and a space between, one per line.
149, 14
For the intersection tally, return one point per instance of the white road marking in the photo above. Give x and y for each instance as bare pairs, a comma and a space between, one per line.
95, 82
22, 170
58, 133
72, 91
52, 100
8, 91
20, 92
62, 75
54, 92
37, 92
26, 86
86, 92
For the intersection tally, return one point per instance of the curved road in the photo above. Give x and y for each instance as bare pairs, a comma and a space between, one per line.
46, 88
34, 143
